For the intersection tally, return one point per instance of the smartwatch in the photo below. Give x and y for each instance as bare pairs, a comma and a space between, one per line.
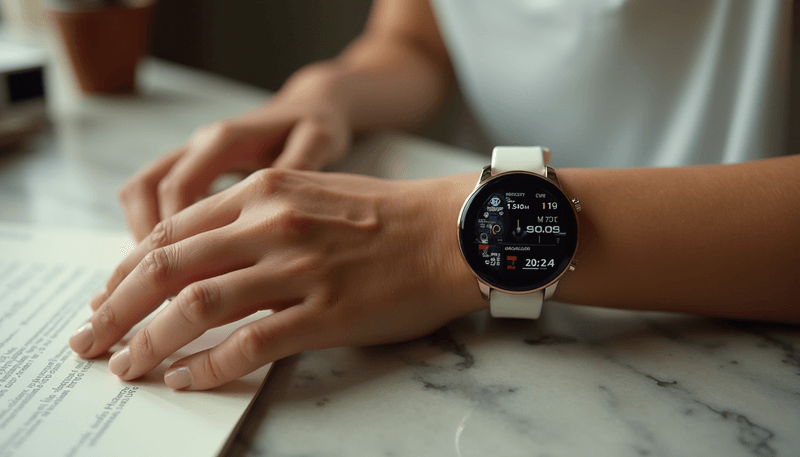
518, 231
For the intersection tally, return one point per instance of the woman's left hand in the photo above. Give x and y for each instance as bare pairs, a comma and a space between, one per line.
342, 260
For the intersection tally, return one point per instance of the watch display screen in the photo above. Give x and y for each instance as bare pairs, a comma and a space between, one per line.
518, 231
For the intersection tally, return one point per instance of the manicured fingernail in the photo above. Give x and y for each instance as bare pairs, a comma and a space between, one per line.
178, 378
83, 338
120, 362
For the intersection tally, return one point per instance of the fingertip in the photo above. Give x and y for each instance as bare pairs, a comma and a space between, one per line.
83, 339
120, 363
178, 378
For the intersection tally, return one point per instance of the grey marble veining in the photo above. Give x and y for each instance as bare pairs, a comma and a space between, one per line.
578, 382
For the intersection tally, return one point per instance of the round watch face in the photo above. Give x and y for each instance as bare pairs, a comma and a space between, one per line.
518, 231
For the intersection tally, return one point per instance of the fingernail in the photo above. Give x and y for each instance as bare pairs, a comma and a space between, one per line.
178, 378
83, 338
120, 362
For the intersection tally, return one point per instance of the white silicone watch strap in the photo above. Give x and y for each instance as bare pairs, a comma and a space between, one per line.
511, 158
527, 306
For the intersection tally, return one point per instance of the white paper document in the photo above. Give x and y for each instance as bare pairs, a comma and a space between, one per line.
52, 403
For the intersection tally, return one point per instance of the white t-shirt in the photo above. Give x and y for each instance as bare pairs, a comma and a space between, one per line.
616, 83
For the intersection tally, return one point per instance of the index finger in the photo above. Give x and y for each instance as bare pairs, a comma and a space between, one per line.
162, 273
211, 213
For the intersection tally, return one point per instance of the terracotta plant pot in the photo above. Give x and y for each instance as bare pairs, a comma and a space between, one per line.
103, 46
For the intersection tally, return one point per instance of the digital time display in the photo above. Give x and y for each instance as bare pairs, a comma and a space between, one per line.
518, 231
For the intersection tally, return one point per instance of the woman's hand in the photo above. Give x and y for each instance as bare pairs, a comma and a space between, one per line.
303, 127
341, 259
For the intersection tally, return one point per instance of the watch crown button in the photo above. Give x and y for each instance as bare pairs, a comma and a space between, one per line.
577, 204
573, 265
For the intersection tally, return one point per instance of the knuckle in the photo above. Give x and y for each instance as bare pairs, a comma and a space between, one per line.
328, 306
162, 234
107, 319
304, 265
198, 302
268, 181
142, 345
321, 133
212, 369
251, 343
156, 265
291, 223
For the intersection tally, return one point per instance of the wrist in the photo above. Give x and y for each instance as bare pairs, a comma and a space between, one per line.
453, 282
518, 231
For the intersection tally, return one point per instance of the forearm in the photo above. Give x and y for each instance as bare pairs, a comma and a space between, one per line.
389, 83
395, 75
718, 240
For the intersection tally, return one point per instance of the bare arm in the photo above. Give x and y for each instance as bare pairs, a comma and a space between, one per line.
395, 75
720, 240
336, 259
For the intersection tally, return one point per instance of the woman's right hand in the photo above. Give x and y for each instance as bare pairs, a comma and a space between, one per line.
305, 126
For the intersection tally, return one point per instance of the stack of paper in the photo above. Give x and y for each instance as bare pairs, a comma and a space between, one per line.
53, 403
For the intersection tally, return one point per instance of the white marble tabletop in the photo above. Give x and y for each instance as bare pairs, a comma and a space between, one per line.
578, 382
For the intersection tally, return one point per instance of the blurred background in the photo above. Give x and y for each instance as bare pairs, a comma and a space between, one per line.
258, 42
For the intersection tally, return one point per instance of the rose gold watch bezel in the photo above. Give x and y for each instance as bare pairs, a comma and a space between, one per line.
549, 288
